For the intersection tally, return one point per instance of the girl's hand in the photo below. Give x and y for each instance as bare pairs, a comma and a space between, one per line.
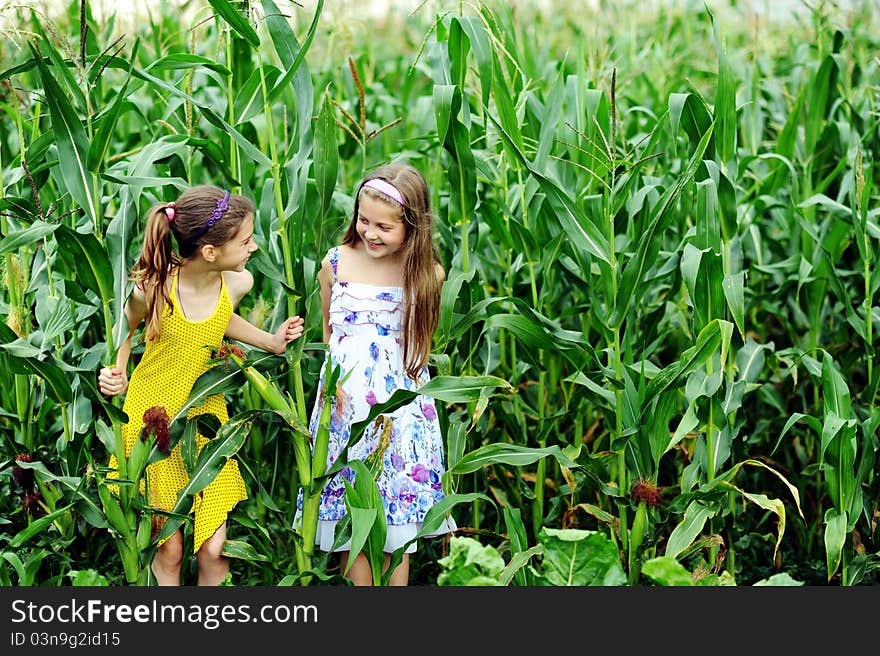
287, 332
112, 381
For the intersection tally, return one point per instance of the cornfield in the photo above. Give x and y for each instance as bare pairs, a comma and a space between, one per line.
655, 361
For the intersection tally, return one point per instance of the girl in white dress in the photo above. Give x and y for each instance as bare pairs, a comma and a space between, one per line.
380, 295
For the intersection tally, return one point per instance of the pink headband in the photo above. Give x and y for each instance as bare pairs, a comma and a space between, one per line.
169, 211
386, 188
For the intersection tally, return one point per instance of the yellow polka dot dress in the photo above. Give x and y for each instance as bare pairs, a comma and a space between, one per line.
164, 377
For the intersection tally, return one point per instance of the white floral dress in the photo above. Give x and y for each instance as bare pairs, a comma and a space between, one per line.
365, 341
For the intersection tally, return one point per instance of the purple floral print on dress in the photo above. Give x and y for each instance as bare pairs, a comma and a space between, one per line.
429, 411
420, 473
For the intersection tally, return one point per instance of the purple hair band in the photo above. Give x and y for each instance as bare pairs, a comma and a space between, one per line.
216, 214
386, 188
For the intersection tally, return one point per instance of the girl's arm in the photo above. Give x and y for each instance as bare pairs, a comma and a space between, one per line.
239, 283
242, 330
113, 381
325, 277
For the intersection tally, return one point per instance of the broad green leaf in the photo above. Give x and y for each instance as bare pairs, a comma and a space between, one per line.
725, 100
706, 346
37, 526
211, 460
509, 454
242, 551
470, 563
574, 557
688, 528
72, 143
633, 272
292, 56
834, 538
31, 235
90, 264
667, 571
236, 21
326, 158
57, 384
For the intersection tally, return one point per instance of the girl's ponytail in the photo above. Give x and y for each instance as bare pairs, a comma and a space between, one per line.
150, 273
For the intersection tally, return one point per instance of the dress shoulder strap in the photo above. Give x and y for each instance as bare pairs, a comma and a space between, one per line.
173, 295
333, 255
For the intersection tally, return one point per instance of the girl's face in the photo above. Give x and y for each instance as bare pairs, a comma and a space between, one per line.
234, 254
380, 228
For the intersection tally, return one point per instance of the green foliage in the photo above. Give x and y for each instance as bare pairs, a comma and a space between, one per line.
470, 563
87, 578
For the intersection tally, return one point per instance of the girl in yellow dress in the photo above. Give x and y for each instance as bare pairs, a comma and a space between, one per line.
188, 300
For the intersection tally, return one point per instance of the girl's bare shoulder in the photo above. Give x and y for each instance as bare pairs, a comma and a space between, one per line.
238, 283
348, 251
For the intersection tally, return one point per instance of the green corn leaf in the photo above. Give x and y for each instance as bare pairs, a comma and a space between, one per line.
326, 158
72, 143
236, 21
249, 101
31, 235
292, 56
75, 487
37, 526
87, 260
211, 460
241, 550
634, 271
100, 143
449, 292
689, 528
725, 100
57, 384
584, 234
821, 91
708, 342
835, 396
184, 61
834, 538
216, 380
733, 287
509, 454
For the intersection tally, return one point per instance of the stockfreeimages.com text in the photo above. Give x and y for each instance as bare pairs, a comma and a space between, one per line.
210, 616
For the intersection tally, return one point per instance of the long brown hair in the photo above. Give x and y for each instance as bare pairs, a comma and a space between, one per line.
421, 288
187, 220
